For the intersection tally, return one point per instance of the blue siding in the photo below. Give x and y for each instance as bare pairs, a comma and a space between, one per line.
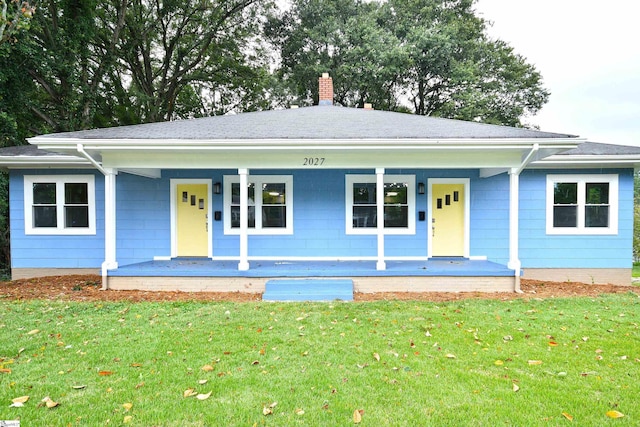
38, 251
539, 250
143, 222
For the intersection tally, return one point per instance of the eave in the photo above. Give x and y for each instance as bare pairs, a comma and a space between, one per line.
289, 153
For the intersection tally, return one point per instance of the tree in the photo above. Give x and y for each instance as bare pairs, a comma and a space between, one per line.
15, 16
432, 57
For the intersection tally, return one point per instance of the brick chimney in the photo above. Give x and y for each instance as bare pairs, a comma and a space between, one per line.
325, 84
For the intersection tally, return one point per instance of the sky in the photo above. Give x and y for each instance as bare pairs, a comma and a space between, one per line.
588, 53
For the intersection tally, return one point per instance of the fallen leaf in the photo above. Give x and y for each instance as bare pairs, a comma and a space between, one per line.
515, 387
203, 396
498, 362
567, 416
21, 399
357, 416
78, 387
127, 406
189, 392
49, 403
33, 331
299, 411
105, 373
207, 368
202, 382
376, 356
127, 419
535, 362
614, 414
553, 344
450, 356
5, 371
136, 365
268, 410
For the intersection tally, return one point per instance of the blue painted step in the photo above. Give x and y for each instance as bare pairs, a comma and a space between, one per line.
308, 290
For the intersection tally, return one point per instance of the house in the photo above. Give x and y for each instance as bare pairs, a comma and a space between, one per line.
391, 201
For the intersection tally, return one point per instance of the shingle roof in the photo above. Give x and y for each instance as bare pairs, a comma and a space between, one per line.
599, 149
318, 122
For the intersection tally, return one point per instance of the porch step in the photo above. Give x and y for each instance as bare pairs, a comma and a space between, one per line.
308, 290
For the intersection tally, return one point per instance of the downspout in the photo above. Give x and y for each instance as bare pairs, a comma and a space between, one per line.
106, 263
514, 211
91, 160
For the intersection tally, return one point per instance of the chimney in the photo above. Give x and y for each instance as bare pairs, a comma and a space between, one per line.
325, 84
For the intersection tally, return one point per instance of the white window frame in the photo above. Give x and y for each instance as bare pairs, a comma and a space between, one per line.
388, 179
60, 181
581, 181
258, 181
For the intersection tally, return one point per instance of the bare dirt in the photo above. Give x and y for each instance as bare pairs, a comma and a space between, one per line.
88, 288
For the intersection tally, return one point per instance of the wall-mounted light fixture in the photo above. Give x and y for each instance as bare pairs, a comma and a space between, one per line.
217, 188
421, 188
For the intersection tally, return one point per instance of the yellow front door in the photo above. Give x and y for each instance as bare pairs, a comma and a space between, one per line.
447, 219
192, 221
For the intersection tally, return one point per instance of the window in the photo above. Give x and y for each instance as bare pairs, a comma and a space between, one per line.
57, 204
270, 204
582, 204
399, 204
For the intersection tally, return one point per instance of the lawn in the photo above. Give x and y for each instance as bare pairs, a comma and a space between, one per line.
474, 362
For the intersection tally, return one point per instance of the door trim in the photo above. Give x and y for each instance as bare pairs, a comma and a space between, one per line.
174, 213
467, 204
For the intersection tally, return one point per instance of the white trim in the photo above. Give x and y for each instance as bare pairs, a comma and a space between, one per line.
258, 180
380, 265
514, 224
174, 182
59, 181
582, 180
467, 208
351, 179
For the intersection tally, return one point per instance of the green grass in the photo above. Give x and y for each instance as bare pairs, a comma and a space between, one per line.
448, 364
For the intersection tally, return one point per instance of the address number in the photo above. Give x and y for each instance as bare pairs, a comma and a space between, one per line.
313, 161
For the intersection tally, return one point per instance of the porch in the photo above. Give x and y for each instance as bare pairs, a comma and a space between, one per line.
203, 274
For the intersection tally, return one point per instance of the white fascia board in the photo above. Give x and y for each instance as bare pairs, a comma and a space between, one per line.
28, 162
214, 144
587, 161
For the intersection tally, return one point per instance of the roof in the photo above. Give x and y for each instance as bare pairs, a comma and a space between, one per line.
308, 123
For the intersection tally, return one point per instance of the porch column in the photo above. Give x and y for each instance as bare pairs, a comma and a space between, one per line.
110, 261
243, 265
514, 192
380, 265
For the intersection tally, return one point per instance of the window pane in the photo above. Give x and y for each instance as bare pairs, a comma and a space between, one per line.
235, 217
274, 217
598, 193
76, 193
45, 216
396, 216
565, 216
44, 194
364, 217
235, 193
273, 194
395, 193
76, 216
364, 194
565, 193
596, 216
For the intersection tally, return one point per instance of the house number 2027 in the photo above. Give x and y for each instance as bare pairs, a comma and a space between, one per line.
313, 161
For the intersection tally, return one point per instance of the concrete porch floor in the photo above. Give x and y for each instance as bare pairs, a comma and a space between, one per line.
201, 275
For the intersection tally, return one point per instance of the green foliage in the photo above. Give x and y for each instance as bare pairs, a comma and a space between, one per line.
15, 17
433, 55
480, 362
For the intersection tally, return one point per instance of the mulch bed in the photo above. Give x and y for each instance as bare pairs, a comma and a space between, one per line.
88, 288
